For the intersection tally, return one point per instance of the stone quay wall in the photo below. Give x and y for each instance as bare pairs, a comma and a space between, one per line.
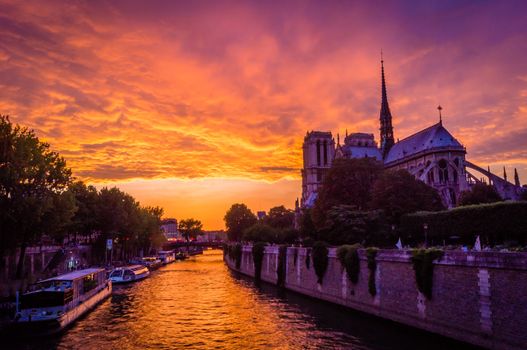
477, 297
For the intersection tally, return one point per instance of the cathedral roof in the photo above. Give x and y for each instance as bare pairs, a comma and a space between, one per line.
433, 137
351, 151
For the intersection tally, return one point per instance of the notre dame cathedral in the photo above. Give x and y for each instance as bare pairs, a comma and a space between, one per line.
432, 155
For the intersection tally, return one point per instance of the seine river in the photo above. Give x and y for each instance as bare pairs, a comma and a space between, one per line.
200, 304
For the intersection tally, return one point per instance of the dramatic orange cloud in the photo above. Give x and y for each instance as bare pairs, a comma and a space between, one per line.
196, 105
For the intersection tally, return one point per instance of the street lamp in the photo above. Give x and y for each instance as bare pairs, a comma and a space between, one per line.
425, 227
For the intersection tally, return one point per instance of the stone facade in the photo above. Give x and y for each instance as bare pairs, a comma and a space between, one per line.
477, 297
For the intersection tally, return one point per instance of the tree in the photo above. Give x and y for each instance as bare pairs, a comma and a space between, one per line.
279, 217
398, 193
85, 221
190, 228
348, 182
479, 193
237, 219
346, 225
31, 175
260, 232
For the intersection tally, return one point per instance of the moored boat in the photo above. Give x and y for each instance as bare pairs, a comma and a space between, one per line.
152, 262
167, 256
53, 304
130, 273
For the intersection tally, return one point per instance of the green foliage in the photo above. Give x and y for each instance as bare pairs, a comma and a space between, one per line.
237, 219
371, 254
398, 193
280, 269
32, 179
320, 259
307, 226
348, 182
261, 232
479, 193
190, 228
280, 218
308, 258
234, 252
422, 260
495, 223
346, 225
348, 256
258, 254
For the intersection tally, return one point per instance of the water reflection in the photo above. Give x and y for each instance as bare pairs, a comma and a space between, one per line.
200, 304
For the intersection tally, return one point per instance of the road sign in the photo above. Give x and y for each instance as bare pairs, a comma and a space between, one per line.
109, 244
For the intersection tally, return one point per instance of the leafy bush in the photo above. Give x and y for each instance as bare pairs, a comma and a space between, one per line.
258, 253
495, 223
348, 256
320, 259
260, 232
280, 270
345, 225
371, 254
422, 260
235, 253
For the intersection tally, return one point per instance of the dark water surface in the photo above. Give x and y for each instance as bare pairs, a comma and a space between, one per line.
200, 304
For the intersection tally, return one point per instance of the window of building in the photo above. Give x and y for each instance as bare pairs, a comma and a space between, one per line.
443, 171
318, 153
325, 153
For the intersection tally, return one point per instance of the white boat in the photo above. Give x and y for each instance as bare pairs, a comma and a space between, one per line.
130, 273
54, 303
167, 256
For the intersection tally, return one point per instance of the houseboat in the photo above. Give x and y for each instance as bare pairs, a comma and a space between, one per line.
52, 304
130, 273
167, 256
152, 262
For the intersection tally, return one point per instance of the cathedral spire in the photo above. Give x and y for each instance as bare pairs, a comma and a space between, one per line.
385, 116
516, 178
504, 174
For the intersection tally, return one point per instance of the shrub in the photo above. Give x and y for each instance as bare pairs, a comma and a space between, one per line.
371, 254
280, 269
495, 223
235, 253
348, 256
422, 260
260, 232
320, 259
258, 253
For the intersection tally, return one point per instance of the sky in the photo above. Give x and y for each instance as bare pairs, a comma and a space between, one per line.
196, 105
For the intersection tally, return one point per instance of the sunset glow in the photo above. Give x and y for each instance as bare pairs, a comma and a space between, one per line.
194, 106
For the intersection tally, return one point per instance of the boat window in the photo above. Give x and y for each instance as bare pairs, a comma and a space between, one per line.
116, 273
89, 282
128, 274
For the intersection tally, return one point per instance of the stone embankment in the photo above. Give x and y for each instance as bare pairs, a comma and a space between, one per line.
477, 297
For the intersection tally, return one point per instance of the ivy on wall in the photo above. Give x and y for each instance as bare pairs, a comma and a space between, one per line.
280, 269
320, 259
234, 252
371, 254
423, 264
348, 256
258, 254
308, 258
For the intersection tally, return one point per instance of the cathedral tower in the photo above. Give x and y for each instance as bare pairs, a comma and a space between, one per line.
318, 151
387, 140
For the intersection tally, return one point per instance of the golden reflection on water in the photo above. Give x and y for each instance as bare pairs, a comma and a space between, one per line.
200, 304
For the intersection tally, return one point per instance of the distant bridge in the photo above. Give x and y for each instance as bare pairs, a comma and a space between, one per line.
179, 244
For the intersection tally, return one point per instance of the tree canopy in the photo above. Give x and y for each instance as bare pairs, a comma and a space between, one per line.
32, 180
398, 193
280, 217
480, 193
190, 228
237, 219
348, 182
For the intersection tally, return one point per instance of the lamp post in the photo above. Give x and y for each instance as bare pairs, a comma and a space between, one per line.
425, 227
